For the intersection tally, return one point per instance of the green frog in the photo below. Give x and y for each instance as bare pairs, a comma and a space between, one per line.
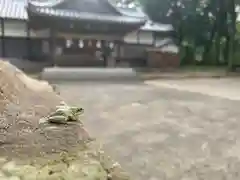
64, 114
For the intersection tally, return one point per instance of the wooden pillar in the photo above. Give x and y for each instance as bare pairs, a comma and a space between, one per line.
138, 37
28, 42
105, 57
154, 38
2, 38
114, 54
52, 43
110, 60
118, 58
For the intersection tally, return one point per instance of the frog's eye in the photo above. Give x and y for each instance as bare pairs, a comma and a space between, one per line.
78, 110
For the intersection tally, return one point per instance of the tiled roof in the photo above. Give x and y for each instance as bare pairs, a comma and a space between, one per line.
13, 9
16, 9
138, 12
157, 27
46, 3
86, 16
90, 6
149, 25
132, 12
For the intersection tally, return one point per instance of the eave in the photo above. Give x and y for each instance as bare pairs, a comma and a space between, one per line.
83, 16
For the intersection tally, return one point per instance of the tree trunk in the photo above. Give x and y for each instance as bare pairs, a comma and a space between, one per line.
226, 48
232, 32
218, 48
209, 42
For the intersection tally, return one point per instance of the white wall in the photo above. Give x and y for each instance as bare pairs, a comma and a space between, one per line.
131, 38
45, 33
15, 28
146, 37
18, 28
143, 37
132, 51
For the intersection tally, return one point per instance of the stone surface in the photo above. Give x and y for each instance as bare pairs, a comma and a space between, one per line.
157, 132
225, 87
77, 167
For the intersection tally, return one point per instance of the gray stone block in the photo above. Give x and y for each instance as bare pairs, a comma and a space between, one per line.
89, 74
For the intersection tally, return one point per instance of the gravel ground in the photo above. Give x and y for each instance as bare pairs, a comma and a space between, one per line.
158, 132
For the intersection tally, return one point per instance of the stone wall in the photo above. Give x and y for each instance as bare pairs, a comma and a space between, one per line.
132, 51
132, 55
158, 59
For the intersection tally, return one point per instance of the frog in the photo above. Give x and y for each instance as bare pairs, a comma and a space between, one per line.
64, 114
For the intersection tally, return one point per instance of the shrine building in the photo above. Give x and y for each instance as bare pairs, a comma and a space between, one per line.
79, 32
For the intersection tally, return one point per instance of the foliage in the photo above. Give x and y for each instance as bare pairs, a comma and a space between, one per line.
202, 26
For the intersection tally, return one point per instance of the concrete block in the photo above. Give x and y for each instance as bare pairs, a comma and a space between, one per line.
89, 74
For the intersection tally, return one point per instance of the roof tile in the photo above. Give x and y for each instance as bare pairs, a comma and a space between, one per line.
13, 9
87, 16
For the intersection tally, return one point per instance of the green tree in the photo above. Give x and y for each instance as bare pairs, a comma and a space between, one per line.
203, 26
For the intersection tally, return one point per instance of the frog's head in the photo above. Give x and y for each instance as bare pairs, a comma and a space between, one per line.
77, 111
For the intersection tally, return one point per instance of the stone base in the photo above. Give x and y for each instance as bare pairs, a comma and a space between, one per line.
111, 62
89, 74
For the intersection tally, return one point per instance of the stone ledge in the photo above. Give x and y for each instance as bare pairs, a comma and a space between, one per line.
183, 75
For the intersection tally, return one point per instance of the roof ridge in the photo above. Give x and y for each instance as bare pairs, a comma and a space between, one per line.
122, 11
47, 3
114, 7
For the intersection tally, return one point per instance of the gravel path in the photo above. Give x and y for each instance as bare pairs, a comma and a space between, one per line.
159, 133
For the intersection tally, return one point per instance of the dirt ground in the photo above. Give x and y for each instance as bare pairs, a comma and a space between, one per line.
33, 148
174, 130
